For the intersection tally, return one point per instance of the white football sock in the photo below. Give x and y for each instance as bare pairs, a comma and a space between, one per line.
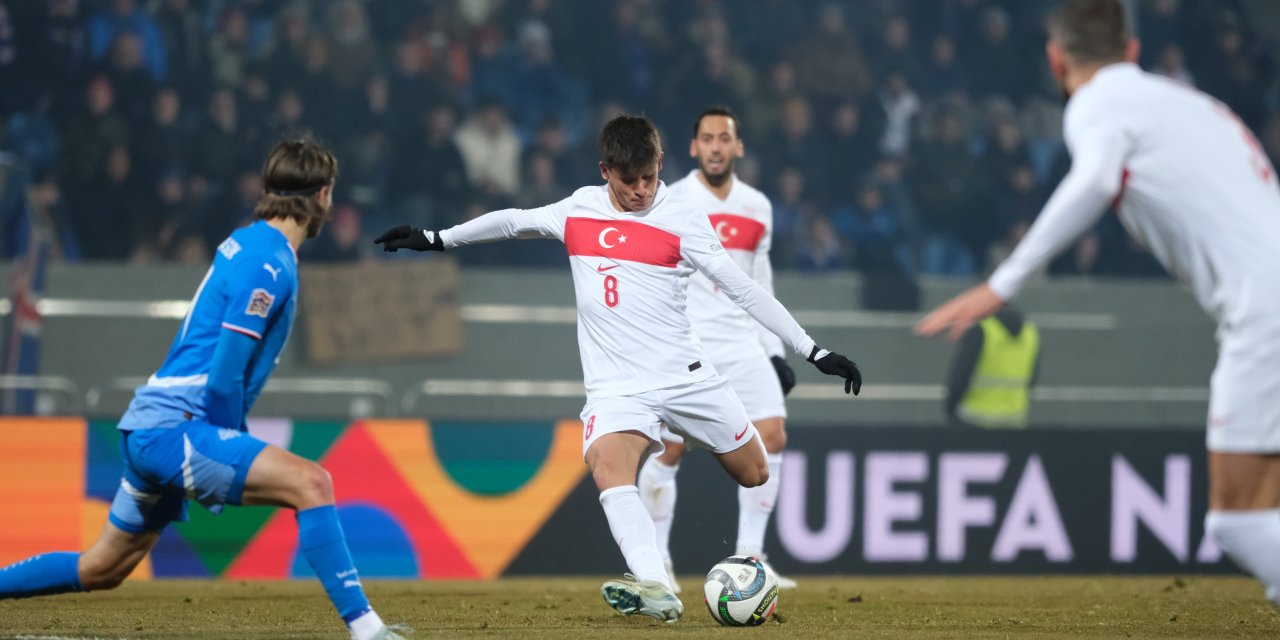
657, 486
366, 626
755, 505
632, 529
1252, 539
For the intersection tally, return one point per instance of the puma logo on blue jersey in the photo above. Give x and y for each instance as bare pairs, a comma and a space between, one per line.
275, 273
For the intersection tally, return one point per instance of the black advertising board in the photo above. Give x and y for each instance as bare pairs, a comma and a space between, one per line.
881, 501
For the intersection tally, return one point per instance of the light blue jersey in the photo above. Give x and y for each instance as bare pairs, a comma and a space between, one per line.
250, 289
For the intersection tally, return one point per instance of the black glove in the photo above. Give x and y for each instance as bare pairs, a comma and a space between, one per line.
407, 237
834, 364
786, 375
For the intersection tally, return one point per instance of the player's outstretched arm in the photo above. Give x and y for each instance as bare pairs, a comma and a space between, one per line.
507, 224
1098, 152
708, 256
960, 313
762, 273
761, 270
407, 237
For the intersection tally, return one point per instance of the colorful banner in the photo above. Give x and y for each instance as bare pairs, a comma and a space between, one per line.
480, 500
417, 500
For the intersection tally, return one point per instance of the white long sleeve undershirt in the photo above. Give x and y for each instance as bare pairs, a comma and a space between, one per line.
752, 297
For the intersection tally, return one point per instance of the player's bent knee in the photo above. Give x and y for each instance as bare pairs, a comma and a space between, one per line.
608, 475
754, 476
762, 475
315, 487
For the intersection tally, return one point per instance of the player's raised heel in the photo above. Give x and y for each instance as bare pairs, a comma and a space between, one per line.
630, 596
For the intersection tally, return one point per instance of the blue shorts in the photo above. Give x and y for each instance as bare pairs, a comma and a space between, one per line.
165, 467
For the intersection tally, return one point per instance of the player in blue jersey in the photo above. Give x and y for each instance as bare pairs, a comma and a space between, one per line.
184, 435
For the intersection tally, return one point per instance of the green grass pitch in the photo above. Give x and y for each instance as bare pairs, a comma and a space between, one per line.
546, 608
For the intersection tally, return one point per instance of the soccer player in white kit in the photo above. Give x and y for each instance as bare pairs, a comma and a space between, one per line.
632, 246
745, 353
1192, 183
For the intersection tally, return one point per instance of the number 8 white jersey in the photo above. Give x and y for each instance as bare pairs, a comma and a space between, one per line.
630, 275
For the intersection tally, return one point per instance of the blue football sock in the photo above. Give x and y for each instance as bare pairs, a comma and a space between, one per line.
325, 547
41, 575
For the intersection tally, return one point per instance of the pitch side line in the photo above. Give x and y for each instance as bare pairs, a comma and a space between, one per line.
814, 391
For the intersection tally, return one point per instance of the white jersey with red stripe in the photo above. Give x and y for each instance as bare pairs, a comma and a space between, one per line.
744, 223
630, 276
1191, 183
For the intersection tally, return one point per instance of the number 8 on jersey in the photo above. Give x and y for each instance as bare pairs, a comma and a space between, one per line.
610, 291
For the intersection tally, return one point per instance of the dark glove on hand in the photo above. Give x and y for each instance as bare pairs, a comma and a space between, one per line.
834, 364
786, 375
407, 237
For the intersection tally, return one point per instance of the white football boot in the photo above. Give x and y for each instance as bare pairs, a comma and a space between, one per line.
630, 596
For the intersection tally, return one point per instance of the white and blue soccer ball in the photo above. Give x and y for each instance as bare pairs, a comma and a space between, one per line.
741, 592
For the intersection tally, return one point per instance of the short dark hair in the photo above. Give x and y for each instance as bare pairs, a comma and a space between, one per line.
718, 111
295, 170
629, 144
1091, 31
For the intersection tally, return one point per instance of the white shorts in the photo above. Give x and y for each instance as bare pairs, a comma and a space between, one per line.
706, 413
756, 384
1244, 396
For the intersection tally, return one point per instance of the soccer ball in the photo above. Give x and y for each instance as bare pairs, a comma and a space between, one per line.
740, 592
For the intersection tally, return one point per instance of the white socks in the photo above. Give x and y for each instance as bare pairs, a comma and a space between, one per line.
657, 486
632, 529
755, 505
366, 626
1252, 539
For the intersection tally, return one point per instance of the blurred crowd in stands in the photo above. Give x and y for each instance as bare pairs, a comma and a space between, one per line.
907, 136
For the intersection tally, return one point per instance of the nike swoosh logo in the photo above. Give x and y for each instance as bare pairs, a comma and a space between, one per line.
744, 432
602, 268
